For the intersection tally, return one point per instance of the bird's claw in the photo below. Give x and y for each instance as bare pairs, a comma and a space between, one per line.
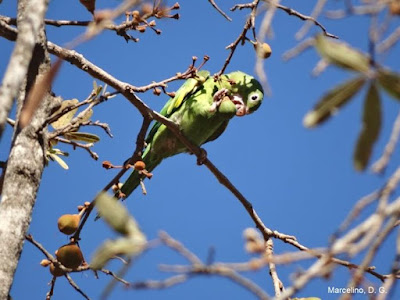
202, 158
217, 99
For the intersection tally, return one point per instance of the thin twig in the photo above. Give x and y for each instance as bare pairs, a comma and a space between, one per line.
242, 36
189, 73
390, 41
358, 207
76, 287
264, 29
91, 98
79, 120
179, 247
293, 12
320, 67
314, 15
86, 147
117, 278
158, 285
299, 48
380, 165
369, 9
391, 281
358, 276
140, 141
52, 285
278, 287
221, 270
219, 10
46, 253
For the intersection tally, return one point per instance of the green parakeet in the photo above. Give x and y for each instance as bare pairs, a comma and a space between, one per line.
201, 108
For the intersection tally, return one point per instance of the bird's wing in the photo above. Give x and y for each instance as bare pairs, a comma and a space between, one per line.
191, 86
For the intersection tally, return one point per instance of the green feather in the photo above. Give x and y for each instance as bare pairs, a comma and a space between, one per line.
198, 116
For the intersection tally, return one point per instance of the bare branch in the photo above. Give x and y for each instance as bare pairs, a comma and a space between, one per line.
177, 246
76, 287
299, 48
117, 278
293, 12
380, 165
51, 291
314, 15
154, 284
358, 276
86, 147
242, 36
278, 286
219, 10
390, 41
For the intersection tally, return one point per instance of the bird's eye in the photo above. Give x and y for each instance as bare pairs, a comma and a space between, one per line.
254, 97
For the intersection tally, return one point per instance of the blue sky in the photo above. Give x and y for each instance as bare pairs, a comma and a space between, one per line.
300, 181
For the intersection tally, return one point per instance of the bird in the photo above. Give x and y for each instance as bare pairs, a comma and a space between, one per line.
201, 108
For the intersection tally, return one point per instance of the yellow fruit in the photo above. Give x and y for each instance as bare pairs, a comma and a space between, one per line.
263, 51
68, 224
56, 271
70, 255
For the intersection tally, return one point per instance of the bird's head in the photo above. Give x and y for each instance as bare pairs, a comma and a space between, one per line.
246, 92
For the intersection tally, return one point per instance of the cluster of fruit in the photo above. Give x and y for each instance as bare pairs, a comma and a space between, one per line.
69, 255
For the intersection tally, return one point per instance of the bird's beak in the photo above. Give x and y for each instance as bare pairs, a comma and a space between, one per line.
241, 108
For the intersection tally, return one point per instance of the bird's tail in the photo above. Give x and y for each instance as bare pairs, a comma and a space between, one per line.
133, 180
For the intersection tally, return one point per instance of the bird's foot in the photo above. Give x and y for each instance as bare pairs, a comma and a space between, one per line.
202, 158
217, 99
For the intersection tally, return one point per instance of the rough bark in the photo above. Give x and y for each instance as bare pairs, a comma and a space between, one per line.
27, 156
30, 18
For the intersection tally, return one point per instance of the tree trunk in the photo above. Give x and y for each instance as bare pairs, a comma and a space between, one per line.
27, 156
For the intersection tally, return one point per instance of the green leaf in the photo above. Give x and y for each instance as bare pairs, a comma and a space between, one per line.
390, 81
371, 126
332, 101
341, 54
67, 117
58, 152
116, 215
82, 136
59, 160
110, 249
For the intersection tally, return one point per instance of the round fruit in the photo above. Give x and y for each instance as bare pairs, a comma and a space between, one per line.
68, 224
70, 255
140, 165
263, 51
56, 271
